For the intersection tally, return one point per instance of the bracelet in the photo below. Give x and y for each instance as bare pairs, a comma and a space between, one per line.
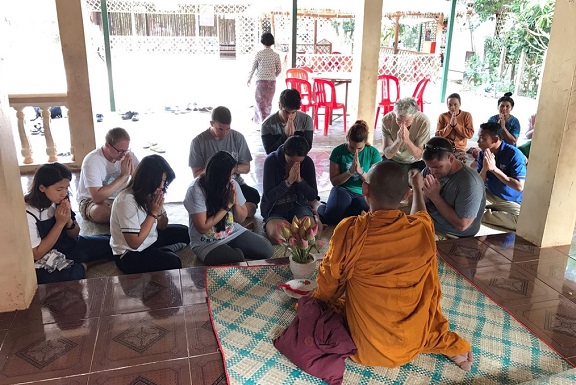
227, 209
72, 227
154, 216
349, 173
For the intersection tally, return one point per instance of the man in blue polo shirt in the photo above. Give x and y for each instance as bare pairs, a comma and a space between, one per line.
503, 169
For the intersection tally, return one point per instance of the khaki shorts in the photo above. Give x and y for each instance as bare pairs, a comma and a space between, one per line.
87, 204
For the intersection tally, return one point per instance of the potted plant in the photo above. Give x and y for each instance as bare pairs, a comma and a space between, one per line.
299, 238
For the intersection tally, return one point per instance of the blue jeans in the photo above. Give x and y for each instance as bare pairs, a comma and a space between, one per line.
342, 203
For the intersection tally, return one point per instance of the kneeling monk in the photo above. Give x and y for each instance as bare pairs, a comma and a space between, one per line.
381, 271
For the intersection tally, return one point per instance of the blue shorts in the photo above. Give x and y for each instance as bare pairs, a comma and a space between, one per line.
298, 210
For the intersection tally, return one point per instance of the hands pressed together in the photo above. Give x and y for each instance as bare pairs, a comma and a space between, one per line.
63, 213
289, 128
126, 166
294, 174
489, 161
356, 167
157, 204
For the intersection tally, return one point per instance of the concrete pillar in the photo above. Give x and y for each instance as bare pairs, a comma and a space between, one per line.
548, 211
365, 69
71, 19
18, 277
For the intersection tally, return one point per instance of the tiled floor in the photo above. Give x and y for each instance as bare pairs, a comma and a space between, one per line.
155, 328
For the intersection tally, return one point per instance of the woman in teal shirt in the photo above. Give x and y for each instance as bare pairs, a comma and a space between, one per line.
349, 163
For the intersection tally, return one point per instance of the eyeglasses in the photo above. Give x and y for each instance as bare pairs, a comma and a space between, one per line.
430, 148
119, 151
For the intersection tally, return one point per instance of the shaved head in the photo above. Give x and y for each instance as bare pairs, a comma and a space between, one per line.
388, 183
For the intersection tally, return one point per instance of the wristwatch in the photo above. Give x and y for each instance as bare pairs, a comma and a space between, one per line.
72, 227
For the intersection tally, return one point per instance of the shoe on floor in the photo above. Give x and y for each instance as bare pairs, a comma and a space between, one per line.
150, 144
99, 118
127, 115
157, 149
135, 117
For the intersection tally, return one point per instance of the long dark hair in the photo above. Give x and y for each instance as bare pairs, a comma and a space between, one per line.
148, 177
46, 176
216, 184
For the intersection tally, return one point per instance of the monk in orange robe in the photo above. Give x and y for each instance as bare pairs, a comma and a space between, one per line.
381, 271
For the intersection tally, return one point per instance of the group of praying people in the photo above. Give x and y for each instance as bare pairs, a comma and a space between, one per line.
388, 213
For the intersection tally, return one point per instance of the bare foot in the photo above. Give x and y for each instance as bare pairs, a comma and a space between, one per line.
464, 360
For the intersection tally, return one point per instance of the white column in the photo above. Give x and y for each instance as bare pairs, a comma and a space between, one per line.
80, 118
365, 65
548, 211
17, 274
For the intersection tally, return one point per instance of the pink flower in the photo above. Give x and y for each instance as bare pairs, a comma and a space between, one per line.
292, 241
320, 243
304, 243
312, 233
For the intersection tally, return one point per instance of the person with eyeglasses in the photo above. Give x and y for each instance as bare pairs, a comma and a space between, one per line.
288, 121
405, 130
455, 197
105, 171
502, 167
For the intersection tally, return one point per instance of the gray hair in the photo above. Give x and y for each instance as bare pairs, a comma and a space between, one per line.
406, 107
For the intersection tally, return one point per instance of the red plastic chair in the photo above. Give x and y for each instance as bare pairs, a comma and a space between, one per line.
419, 92
321, 101
305, 89
296, 73
386, 89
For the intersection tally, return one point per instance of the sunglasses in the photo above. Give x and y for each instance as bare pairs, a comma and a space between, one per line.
430, 148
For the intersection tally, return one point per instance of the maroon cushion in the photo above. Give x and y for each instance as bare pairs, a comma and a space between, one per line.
317, 341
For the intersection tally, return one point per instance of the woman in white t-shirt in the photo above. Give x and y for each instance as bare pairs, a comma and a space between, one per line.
142, 240
216, 204
52, 226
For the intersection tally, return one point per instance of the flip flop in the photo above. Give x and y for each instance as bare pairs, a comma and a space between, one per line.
157, 149
149, 144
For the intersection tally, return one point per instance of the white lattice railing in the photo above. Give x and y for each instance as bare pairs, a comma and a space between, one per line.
44, 102
408, 67
196, 45
325, 63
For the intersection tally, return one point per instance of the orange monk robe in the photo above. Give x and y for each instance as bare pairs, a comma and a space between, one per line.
386, 264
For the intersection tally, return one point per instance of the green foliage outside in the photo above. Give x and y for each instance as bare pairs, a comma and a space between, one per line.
527, 29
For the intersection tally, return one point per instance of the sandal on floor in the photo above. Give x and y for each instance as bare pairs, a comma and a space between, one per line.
464, 363
157, 149
150, 144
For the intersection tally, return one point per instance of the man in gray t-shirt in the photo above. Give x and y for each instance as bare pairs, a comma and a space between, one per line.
455, 193
286, 122
219, 137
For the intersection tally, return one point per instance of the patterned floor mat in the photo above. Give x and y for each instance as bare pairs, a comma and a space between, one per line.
248, 312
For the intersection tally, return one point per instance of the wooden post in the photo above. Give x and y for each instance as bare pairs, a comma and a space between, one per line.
396, 33
26, 150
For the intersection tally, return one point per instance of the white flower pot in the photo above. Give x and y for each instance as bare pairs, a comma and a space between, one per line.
303, 270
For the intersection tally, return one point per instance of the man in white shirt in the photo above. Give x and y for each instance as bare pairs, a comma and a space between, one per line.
105, 171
